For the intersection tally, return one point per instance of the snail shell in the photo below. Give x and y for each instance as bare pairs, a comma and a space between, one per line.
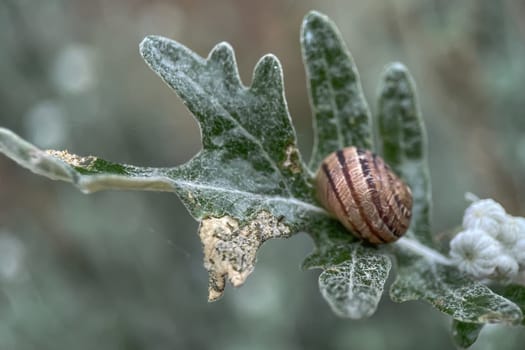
365, 195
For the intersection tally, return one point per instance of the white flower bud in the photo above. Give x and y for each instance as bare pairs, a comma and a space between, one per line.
475, 253
506, 268
509, 231
485, 214
518, 251
512, 238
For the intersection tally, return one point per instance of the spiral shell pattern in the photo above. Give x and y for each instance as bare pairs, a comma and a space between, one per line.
365, 195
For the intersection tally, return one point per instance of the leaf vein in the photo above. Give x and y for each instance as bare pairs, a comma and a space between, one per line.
254, 196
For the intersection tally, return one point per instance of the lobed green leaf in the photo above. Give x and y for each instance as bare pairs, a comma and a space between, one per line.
248, 183
353, 278
450, 291
515, 293
465, 334
341, 114
247, 129
403, 143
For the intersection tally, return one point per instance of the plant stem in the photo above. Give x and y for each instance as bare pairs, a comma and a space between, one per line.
422, 250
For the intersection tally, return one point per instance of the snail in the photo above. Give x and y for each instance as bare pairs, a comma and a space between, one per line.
365, 195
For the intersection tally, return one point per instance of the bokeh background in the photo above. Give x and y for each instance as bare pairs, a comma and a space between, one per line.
119, 270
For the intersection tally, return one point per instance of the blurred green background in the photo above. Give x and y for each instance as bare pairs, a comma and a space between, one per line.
119, 270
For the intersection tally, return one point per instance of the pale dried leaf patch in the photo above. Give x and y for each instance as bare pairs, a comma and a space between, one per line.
230, 248
72, 159
293, 160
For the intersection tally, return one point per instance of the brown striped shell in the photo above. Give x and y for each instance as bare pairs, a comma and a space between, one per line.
365, 195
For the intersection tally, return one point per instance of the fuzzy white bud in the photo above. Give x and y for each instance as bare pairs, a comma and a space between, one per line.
476, 253
506, 268
485, 214
511, 235
518, 251
492, 244
509, 232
